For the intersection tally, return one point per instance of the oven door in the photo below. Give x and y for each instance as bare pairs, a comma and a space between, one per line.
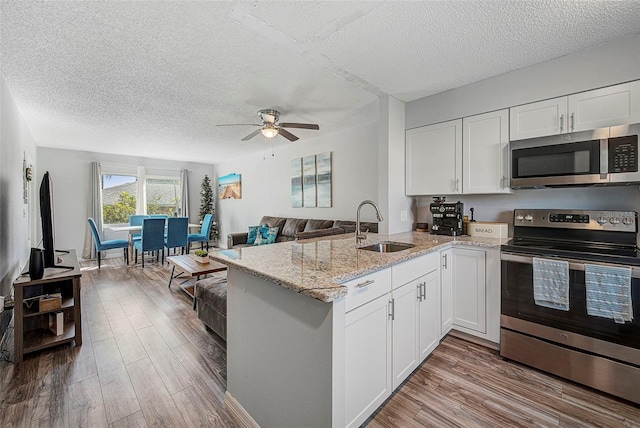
518, 302
558, 164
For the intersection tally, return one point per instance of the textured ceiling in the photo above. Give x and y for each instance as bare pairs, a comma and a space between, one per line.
154, 78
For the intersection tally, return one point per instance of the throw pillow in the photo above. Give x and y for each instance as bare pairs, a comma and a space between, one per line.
259, 240
253, 233
272, 234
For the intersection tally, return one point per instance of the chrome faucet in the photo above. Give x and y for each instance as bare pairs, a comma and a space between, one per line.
363, 235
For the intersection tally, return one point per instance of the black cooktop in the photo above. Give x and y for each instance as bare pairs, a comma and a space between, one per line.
582, 251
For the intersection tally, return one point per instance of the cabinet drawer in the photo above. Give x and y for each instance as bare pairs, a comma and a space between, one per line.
415, 268
367, 288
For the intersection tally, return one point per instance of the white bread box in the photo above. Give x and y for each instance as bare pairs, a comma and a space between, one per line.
487, 229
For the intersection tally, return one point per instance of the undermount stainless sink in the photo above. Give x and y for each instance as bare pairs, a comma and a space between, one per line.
387, 247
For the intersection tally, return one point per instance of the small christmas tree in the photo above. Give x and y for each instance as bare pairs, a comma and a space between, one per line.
207, 205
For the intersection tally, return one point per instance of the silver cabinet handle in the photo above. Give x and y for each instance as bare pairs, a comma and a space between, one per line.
573, 121
419, 297
457, 183
364, 284
424, 291
444, 265
392, 309
561, 122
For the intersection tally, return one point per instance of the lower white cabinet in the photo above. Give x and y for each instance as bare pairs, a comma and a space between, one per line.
368, 359
404, 317
469, 291
446, 292
429, 313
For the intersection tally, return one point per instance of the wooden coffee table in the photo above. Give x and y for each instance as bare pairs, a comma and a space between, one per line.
187, 265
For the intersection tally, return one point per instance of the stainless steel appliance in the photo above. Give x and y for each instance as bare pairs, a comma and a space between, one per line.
592, 350
447, 217
607, 156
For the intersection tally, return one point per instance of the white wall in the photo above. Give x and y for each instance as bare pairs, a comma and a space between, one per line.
70, 174
15, 142
266, 183
607, 64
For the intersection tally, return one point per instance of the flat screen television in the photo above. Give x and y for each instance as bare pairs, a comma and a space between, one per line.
46, 213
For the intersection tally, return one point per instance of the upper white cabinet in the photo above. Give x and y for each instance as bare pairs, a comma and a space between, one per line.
433, 159
485, 153
611, 106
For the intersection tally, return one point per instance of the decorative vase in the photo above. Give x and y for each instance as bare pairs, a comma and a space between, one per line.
36, 264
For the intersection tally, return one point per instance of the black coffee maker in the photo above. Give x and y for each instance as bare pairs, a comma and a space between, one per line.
447, 217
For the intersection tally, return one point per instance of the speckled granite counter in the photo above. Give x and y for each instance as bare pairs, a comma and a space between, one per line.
317, 267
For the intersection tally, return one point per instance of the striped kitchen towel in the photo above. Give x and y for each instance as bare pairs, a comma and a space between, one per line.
609, 292
551, 283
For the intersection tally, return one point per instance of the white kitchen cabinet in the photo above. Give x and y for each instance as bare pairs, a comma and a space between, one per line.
469, 292
446, 292
368, 380
428, 313
404, 316
610, 106
485, 153
433, 159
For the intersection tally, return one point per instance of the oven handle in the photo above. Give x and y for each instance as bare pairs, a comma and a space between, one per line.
573, 264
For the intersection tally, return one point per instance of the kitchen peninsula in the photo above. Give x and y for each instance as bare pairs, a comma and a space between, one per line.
316, 328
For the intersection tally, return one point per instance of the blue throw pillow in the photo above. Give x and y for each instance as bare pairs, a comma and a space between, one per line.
253, 233
272, 234
266, 235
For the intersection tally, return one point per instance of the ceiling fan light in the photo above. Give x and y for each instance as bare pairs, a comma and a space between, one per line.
269, 132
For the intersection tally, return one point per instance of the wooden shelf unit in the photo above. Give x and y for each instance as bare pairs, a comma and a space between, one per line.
31, 332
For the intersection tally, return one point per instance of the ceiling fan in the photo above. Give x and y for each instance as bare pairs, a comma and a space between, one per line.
271, 126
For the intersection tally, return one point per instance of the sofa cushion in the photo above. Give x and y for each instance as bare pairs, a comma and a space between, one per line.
319, 233
213, 292
273, 221
292, 226
318, 224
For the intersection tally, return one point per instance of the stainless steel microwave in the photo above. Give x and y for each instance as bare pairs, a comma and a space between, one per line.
607, 156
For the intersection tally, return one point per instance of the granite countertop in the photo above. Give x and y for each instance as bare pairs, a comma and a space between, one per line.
317, 267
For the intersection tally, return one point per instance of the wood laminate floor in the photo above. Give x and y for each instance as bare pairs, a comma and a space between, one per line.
146, 360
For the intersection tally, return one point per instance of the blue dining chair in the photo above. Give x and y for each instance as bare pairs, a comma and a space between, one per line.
177, 233
136, 220
152, 238
205, 231
107, 245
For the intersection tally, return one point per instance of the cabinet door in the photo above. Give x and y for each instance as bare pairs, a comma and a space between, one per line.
446, 290
433, 159
429, 313
485, 145
405, 331
469, 291
539, 119
368, 360
611, 106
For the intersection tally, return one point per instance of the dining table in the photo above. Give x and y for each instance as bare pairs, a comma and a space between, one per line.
132, 230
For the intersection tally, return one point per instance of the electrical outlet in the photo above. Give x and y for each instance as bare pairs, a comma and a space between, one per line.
403, 215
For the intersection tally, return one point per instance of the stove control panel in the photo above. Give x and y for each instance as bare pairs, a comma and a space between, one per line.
619, 221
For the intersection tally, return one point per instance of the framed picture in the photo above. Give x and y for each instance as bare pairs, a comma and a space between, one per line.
311, 181
230, 187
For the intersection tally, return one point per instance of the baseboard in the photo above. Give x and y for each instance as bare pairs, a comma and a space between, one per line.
238, 413
473, 339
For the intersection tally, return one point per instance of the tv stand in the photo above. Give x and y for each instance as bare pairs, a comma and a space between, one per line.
31, 324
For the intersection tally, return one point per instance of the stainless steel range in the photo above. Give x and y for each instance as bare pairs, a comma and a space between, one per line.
570, 288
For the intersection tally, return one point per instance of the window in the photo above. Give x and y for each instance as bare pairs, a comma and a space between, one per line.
163, 196
129, 190
119, 197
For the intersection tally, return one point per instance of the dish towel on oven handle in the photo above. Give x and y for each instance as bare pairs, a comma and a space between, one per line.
609, 292
551, 283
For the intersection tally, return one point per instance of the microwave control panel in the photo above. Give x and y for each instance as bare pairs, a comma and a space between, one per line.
623, 154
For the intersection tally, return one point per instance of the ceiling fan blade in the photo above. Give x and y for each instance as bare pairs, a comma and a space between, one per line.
253, 134
239, 124
286, 134
300, 125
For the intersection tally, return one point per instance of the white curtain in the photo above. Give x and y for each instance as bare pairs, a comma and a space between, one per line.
184, 193
94, 209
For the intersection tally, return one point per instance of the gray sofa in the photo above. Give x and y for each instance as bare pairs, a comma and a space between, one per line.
290, 229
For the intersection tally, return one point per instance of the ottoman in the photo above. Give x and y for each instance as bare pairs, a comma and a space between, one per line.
211, 303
